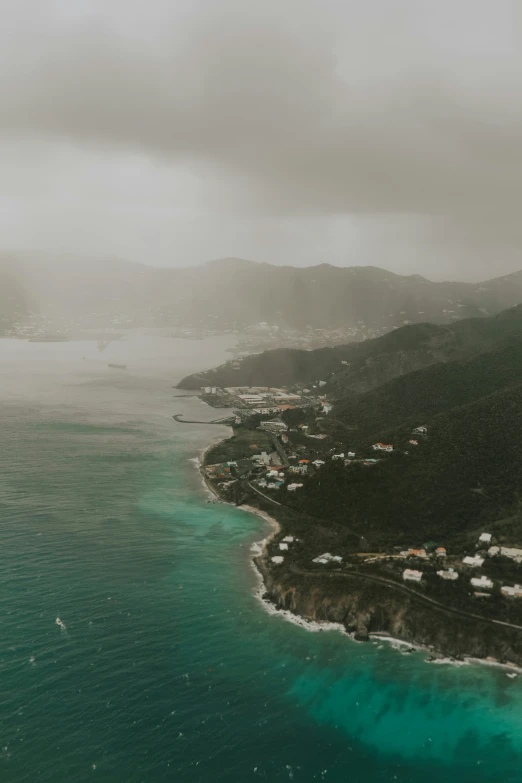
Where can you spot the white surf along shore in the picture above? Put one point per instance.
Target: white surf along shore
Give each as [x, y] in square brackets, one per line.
[258, 549]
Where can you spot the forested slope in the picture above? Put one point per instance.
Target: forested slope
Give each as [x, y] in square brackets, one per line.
[466, 474]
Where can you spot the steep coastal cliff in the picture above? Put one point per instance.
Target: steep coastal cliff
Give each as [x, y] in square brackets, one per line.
[366, 608]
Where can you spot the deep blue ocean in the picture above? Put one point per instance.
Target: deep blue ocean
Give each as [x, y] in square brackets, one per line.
[169, 668]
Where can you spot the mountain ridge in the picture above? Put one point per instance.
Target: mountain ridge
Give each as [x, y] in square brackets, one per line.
[234, 293]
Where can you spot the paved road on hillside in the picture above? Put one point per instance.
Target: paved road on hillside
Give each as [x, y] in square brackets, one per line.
[409, 591]
[395, 585]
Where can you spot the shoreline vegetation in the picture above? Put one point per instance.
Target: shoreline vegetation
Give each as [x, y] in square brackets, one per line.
[259, 554]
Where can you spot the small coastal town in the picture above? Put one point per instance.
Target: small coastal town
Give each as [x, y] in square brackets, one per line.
[282, 442]
[249, 338]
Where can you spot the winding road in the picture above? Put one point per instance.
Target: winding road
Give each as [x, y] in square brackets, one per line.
[390, 583]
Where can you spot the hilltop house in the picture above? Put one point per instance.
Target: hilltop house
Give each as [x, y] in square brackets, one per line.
[440, 551]
[409, 575]
[416, 553]
[277, 559]
[421, 430]
[485, 537]
[293, 487]
[450, 574]
[327, 558]
[506, 551]
[382, 447]
[511, 592]
[414, 442]
[473, 562]
[283, 546]
[302, 469]
[483, 583]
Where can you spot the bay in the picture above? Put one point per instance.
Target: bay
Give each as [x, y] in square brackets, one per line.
[169, 667]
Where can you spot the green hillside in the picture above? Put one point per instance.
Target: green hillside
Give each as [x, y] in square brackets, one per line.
[466, 475]
[411, 399]
[358, 367]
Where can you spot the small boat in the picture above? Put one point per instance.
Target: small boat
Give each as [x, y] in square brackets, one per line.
[118, 366]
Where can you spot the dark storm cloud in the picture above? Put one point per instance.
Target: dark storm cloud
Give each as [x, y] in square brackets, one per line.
[287, 109]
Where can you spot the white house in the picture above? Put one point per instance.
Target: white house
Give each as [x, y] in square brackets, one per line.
[474, 562]
[382, 447]
[277, 559]
[277, 426]
[450, 574]
[337, 456]
[409, 575]
[420, 430]
[293, 487]
[289, 539]
[327, 558]
[282, 547]
[514, 554]
[350, 454]
[511, 592]
[486, 537]
[318, 462]
[483, 583]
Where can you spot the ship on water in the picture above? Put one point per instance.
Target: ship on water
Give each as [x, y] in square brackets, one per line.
[118, 366]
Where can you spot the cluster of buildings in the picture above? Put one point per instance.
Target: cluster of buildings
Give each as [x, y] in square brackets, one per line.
[284, 546]
[259, 400]
[482, 585]
[413, 441]
[263, 336]
[327, 558]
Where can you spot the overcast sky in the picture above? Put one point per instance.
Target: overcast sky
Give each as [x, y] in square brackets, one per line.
[384, 132]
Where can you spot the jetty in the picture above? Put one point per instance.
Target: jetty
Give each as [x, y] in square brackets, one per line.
[227, 421]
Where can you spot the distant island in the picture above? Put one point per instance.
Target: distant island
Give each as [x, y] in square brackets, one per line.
[398, 502]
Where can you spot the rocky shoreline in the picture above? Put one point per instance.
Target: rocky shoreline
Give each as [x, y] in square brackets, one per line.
[372, 611]
[369, 611]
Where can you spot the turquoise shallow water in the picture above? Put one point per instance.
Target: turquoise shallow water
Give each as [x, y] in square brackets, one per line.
[169, 668]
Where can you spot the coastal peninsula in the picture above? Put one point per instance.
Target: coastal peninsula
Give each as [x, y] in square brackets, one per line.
[411, 530]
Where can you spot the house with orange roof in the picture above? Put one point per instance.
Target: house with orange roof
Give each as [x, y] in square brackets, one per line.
[382, 447]
[416, 553]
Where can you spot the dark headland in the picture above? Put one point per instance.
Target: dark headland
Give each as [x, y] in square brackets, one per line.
[398, 502]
